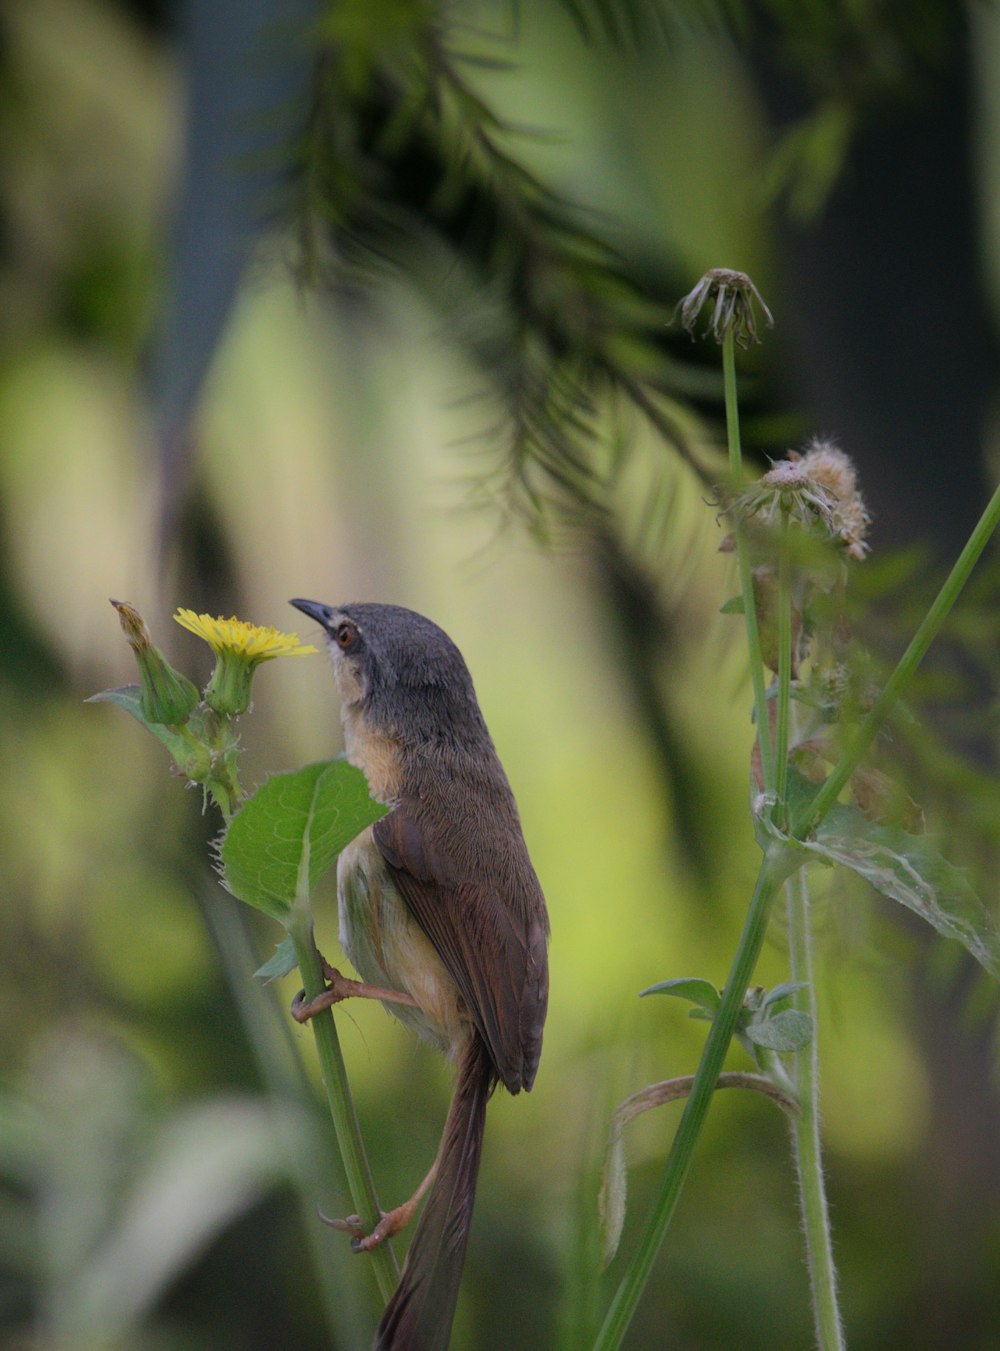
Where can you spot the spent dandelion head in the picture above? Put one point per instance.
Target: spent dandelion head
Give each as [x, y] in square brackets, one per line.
[239, 649]
[735, 298]
[786, 491]
[816, 490]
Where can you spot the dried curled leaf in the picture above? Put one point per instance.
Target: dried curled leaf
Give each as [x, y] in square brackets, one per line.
[614, 1182]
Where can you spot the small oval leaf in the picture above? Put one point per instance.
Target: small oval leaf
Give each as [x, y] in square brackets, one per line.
[698, 991]
[281, 964]
[790, 1030]
[783, 991]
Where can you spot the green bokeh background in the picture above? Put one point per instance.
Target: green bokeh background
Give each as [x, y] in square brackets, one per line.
[160, 1155]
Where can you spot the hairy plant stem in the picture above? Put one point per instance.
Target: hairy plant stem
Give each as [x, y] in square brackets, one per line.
[773, 870]
[767, 759]
[224, 784]
[360, 1182]
[806, 1144]
[806, 1130]
[782, 718]
[929, 628]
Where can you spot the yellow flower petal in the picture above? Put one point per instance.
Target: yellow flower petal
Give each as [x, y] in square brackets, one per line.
[254, 641]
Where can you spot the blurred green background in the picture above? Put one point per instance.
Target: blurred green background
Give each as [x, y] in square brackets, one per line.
[181, 424]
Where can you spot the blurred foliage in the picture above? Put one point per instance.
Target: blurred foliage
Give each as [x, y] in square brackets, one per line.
[496, 209]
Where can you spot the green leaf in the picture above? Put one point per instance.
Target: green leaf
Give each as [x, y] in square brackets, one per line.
[789, 1030]
[283, 839]
[129, 697]
[283, 961]
[733, 606]
[698, 991]
[781, 992]
[909, 869]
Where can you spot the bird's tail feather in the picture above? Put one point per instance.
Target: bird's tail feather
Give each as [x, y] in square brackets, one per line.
[419, 1315]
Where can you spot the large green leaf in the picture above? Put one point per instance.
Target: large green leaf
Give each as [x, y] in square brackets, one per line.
[283, 839]
[910, 870]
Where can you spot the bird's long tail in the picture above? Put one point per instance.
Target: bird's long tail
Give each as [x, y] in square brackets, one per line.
[418, 1317]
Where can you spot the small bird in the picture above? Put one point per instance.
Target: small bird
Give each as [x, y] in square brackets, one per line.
[442, 915]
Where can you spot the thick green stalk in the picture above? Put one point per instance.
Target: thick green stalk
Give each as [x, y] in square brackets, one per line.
[806, 1131]
[745, 568]
[338, 1092]
[902, 675]
[773, 870]
[345, 1293]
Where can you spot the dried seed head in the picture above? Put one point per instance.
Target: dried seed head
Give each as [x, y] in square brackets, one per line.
[826, 464]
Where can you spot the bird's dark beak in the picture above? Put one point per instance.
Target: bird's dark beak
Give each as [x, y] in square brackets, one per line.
[315, 610]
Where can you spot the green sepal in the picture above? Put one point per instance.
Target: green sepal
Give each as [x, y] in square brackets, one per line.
[167, 695]
[229, 690]
[284, 838]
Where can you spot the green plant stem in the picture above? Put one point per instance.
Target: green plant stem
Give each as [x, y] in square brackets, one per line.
[343, 1287]
[782, 718]
[806, 1130]
[360, 1182]
[905, 669]
[773, 870]
[224, 784]
[745, 570]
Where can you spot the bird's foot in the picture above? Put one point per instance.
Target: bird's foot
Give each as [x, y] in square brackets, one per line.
[341, 987]
[392, 1222]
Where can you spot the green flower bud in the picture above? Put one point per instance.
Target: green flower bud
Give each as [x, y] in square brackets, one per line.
[167, 696]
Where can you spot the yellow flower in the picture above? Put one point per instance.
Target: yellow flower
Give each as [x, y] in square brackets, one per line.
[256, 642]
[239, 649]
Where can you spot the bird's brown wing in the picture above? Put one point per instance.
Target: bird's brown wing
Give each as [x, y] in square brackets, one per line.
[480, 904]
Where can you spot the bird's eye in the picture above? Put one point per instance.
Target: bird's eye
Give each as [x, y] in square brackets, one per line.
[345, 636]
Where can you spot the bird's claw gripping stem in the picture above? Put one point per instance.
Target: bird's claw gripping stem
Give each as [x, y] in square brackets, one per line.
[341, 987]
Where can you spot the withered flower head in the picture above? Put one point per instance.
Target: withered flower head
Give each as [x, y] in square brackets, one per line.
[735, 296]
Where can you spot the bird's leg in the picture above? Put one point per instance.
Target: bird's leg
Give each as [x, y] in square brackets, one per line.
[392, 1221]
[342, 987]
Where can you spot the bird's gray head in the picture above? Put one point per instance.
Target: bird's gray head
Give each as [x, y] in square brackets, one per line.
[402, 673]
